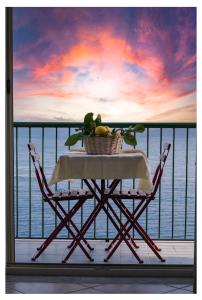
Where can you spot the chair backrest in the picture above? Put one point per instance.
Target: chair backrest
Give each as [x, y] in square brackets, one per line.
[159, 170]
[43, 185]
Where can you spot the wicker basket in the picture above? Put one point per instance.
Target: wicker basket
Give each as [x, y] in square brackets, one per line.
[102, 145]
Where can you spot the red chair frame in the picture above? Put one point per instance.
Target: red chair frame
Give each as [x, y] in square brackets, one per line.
[132, 218]
[65, 220]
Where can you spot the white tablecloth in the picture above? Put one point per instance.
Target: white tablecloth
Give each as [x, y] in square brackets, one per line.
[79, 165]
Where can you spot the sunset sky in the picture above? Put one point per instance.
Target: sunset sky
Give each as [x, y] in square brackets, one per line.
[129, 64]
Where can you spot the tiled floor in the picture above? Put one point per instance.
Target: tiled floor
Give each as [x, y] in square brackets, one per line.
[174, 252]
[97, 285]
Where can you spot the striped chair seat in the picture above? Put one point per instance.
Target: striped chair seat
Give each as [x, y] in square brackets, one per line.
[125, 193]
[71, 195]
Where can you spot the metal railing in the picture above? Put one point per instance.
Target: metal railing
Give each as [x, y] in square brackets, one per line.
[171, 216]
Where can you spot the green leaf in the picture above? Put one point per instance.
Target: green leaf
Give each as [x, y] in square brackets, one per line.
[130, 139]
[98, 120]
[73, 139]
[89, 128]
[139, 128]
[88, 118]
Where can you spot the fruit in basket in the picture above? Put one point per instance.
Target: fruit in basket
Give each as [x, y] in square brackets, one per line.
[102, 130]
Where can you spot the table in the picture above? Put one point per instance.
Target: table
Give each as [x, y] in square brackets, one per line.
[79, 165]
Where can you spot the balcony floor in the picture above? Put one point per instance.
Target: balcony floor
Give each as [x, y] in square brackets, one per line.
[175, 252]
[18, 284]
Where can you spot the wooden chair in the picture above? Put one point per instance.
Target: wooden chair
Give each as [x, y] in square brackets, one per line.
[144, 200]
[54, 200]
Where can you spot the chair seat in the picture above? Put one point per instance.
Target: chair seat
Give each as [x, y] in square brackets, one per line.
[71, 195]
[125, 193]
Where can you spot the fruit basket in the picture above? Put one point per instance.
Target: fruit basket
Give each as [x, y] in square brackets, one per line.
[98, 145]
[100, 139]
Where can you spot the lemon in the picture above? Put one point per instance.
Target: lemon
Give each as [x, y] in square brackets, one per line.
[101, 130]
[107, 127]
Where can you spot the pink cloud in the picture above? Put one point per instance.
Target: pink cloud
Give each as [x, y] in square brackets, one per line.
[141, 68]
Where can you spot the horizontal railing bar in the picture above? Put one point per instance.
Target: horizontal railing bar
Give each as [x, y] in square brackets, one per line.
[112, 124]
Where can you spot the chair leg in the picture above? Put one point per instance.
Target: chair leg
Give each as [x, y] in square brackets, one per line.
[132, 240]
[83, 230]
[59, 228]
[133, 224]
[67, 227]
[116, 238]
[131, 215]
[127, 234]
[123, 236]
[77, 230]
[81, 233]
[150, 244]
[147, 236]
[71, 244]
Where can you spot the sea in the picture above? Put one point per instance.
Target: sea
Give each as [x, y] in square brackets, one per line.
[171, 216]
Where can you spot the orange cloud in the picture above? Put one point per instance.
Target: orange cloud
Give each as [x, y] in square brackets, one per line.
[107, 50]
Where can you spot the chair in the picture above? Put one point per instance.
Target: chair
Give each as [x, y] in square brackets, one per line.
[54, 200]
[145, 199]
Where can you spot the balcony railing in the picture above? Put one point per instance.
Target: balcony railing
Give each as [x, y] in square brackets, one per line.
[171, 216]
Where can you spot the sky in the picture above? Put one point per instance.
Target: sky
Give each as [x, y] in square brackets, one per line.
[128, 64]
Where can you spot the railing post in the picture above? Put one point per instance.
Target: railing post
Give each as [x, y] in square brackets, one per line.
[56, 155]
[16, 180]
[42, 201]
[187, 160]
[147, 156]
[30, 191]
[173, 182]
[159, 225]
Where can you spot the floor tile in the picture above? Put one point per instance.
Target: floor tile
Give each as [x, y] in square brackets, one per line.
[12, 291]
[46, 288]
[10, 288]
[137, 288]
[85, 281]
[179, 291]
[180, 285]
[188, 288]
[88, 291]
[179, 280]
